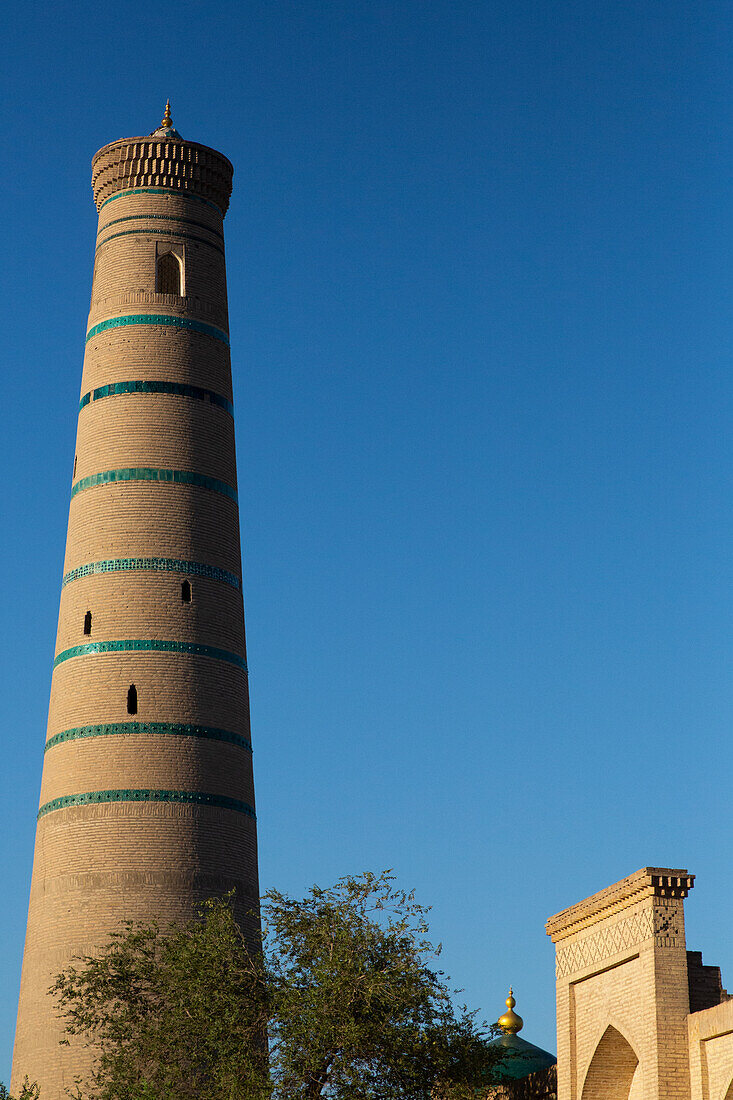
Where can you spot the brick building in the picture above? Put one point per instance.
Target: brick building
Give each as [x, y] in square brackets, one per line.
[147, 800]
[638, 1015]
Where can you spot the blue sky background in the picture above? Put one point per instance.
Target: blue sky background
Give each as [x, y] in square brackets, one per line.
[480, 288]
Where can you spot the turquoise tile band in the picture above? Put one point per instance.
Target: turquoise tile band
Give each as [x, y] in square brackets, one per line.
[195, 798]
[159, 233]
[158, 565]
[163, 218]
[150, 645]
[158, 319]
[179, 477]
[176, 729]
[176, 389]
[160, 191]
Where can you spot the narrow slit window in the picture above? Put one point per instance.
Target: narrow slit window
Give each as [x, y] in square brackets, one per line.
[74, 473]
[168, 274]
[132, 699]
[186, 591]
[88, 623]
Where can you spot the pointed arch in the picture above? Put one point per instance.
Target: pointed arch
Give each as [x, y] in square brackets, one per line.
[168, 274]
[611, 1072]
[729, 1093]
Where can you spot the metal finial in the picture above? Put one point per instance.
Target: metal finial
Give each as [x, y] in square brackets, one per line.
[167, 123]
[511, 1021]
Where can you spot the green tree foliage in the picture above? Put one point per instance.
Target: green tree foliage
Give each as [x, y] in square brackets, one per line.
[342, 1003]
[357, 1011]
[174, 1014]
[28, 1092]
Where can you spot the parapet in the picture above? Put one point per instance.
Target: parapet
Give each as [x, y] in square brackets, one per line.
[166, 162]
[660, 882]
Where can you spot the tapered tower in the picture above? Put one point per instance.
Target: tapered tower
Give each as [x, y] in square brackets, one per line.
[147, 800]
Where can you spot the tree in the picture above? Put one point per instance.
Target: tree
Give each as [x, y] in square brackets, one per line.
[28, 1091]
[344, 989]
[174, 1014]
[357, 1012]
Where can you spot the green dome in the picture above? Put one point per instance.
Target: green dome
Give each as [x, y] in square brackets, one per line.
[521, 1058]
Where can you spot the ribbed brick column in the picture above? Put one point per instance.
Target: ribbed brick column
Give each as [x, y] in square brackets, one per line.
[142, 815]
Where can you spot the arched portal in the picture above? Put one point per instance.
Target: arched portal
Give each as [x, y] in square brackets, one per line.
[611, 1072]
[729, 1093]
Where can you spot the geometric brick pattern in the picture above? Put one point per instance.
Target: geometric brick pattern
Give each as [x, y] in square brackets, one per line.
[172, 164]
[605, 943]
[661, 923]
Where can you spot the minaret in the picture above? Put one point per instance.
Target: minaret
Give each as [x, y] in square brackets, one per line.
[147, 799]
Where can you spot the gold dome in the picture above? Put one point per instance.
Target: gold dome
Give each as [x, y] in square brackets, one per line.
[511, 1021]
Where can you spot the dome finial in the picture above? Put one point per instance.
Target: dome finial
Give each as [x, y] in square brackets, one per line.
[511, 1021]
[167, 123]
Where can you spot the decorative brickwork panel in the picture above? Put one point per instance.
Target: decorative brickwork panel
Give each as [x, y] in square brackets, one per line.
[603, 944]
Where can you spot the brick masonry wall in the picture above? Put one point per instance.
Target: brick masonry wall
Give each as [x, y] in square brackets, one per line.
[710, 1034]
[144, 815]
[622, 998]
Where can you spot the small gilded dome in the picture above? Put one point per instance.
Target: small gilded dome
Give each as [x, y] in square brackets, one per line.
[519, 1058]
[511, 1022]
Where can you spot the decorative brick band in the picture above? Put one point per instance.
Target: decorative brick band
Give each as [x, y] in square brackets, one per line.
[161, 218]
[158, 319]
[158, 565]
[160, 191]
[180, 477]
[196, 798]
[177, 729]
[160, 233]
[177, 389]
[150, 645]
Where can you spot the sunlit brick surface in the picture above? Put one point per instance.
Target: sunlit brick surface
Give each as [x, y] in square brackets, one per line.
[135, 857]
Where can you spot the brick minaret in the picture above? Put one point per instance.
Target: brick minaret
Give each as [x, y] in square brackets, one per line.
[147, 801]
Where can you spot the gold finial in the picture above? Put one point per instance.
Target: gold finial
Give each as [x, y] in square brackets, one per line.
[167, 123]
[511, 1021]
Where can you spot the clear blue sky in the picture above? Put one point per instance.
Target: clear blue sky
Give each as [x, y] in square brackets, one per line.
[480, 264]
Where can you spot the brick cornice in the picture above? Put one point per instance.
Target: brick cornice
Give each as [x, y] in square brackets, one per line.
[649, 882]
[171, 164]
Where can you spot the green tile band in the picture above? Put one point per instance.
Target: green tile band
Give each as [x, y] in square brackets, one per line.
[150, 645]
[196, 798]
[177, 389]
[177, 729]
[158, 319]
[158, 565]
[160, 191]
[160, 233]
[163, 218]
[180, 477]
